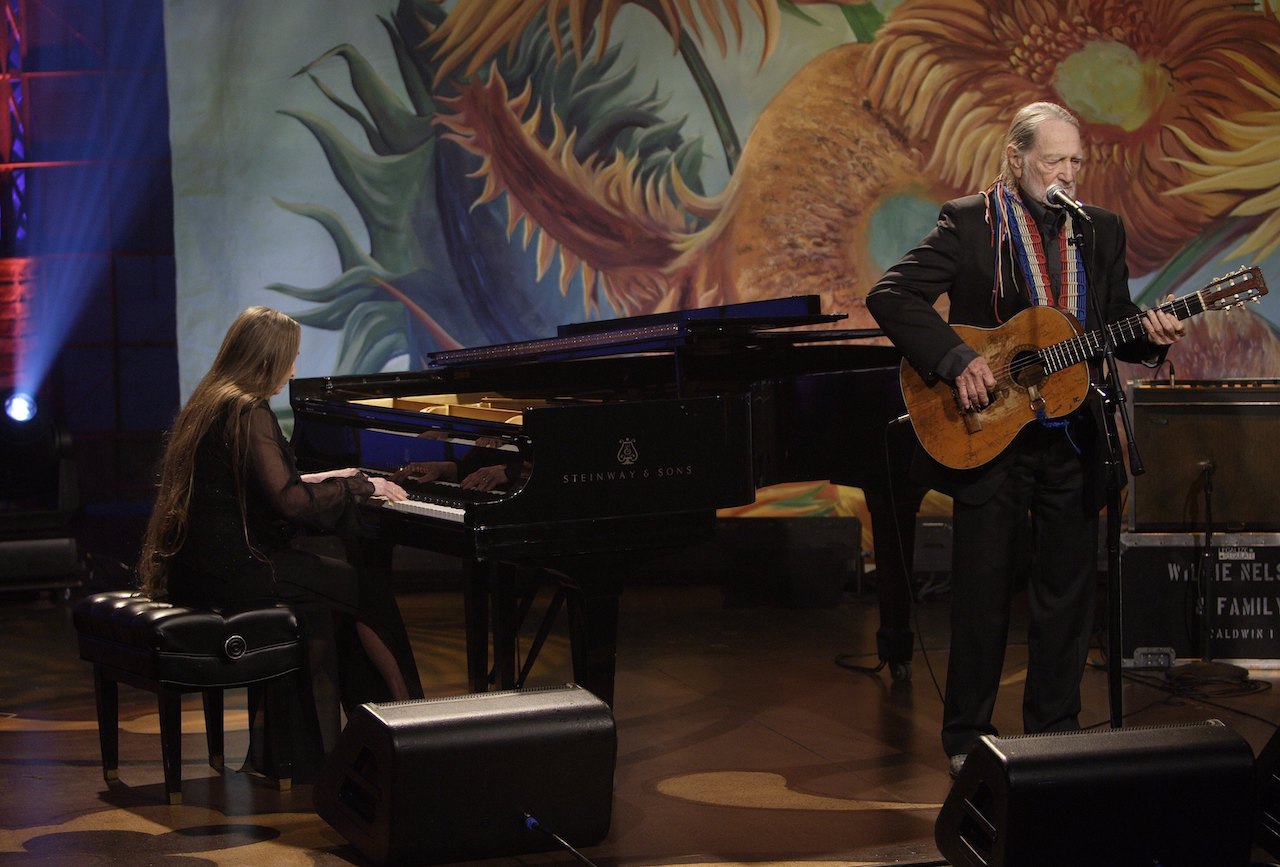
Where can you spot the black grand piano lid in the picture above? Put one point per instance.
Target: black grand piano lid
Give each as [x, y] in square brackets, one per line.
[765, 313]
[651, 332]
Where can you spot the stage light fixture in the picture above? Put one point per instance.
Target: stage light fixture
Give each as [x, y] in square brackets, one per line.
[38, 495]
[20, 407]
[33, 455]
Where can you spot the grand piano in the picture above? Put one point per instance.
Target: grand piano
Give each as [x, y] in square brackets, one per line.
[611, 439]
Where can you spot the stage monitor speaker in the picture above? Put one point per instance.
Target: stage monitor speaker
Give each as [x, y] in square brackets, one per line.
[444, 780]
[1177, 796]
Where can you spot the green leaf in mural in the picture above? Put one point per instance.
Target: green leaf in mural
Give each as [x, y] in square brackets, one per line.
[350, 253]
[372, 336]
[381, 188]
[393, 189]
[390, 127]
[864, 20]
[337, 299]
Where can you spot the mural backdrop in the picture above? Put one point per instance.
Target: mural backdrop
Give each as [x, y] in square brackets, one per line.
[408, 176]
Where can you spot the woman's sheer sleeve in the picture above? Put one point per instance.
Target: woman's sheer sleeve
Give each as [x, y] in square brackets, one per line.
[271, 468]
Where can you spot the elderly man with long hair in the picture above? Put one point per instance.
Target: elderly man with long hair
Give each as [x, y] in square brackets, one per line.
[995, 254]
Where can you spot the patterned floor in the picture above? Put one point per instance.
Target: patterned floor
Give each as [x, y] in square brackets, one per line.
[739, 740]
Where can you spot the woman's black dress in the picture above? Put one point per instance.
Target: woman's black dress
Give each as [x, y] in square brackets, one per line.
[226, 561]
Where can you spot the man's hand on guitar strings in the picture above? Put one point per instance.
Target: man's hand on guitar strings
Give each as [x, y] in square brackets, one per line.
[1163, 329]
[975, 386]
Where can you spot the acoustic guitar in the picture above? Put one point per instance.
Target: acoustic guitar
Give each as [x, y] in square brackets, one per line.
[1039, 358]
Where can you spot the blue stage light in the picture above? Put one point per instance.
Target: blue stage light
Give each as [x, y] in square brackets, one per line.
[37, 478]
[20, 407]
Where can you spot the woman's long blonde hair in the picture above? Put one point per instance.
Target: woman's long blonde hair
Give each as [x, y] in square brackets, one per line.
[253, 363]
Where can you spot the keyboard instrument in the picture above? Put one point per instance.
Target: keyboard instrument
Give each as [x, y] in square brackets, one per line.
[612, 437]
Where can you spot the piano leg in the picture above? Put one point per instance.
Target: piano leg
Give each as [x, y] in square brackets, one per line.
[491, 594]
[593, 633]
[497, 598]
[480, 581]
[544, 629]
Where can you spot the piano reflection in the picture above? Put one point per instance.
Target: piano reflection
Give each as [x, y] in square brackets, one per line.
[608, 439]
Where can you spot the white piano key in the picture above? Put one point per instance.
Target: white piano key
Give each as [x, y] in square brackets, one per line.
[430, 510]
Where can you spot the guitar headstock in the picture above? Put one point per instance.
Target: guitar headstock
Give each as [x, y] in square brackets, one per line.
[1230, 290]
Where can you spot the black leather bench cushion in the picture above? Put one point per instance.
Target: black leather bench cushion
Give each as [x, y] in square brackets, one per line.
[194, 647]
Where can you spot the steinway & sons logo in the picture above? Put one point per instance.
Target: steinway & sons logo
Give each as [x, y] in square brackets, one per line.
[629, 468]
[627, 453]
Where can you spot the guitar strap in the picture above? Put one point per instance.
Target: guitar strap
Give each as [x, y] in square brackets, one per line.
[1013, 228]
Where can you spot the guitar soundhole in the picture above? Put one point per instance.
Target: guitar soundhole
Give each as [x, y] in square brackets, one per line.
[1026, 369]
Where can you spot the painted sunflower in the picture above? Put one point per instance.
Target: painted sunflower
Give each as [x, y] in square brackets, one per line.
[601, 219]
[475, 32]
[1249, 166]
[826, 224]
[608, 223]
[1147, 78]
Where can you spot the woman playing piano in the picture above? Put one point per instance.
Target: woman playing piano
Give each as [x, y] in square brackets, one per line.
[230, 500]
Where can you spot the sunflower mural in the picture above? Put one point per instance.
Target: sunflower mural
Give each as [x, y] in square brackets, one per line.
[524, 184]
[1175, 99]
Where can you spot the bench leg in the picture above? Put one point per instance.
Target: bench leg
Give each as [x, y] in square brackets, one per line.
[170, 703]
[213, 727]
[278, 695]
[106, 694]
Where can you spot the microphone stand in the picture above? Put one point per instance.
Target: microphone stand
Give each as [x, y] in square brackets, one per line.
[1206, 668]
[1206, 565]
[1113, 402]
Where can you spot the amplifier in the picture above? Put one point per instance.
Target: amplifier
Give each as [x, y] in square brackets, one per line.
[1160, 591]
[1206, 447]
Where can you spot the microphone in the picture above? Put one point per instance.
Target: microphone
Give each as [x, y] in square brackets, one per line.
[1056, 195]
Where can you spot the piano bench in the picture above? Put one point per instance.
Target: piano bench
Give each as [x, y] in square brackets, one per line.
[172, 650]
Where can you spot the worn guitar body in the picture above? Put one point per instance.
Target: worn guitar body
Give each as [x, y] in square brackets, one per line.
[956, 438]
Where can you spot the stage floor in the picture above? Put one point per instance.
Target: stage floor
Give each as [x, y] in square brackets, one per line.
[740, 739]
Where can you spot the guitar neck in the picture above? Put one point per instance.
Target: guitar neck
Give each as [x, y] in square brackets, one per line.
[1130, 328]
[1062, 355]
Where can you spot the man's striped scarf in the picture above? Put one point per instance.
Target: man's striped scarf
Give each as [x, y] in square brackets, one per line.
[1011, 221]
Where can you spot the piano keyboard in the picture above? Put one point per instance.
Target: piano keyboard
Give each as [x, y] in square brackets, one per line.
[447, 493]
[445, 501]
[439, 511]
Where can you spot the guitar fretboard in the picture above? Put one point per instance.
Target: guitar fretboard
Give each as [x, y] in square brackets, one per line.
[1092, 344]
[1244, 284]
